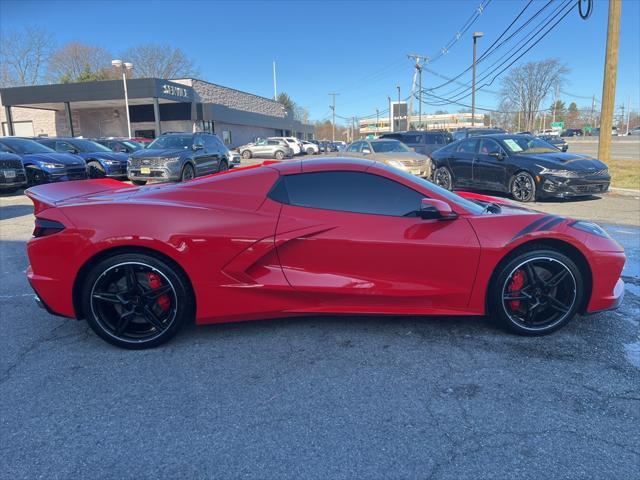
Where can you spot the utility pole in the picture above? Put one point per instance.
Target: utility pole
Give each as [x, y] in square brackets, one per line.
[333, 123]
[610, 76]
[555, 103]
[476, 36]
[397, 119]
[390, 122]
[621, 122]
[377, 119]
[417, 59]
[593, 111]
[628, 113]
[275, 83]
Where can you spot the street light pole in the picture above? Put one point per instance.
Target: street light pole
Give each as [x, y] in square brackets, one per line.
[398, 109]
[124, 66]
[390, 121]
[476, 36]
[377, 119]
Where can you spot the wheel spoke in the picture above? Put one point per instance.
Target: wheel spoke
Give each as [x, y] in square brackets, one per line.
[519, 295]
[153, 319]
[556, 279]
[123, 322]
[108, 297]
[132, 279]
[532, 274]
[557, 305]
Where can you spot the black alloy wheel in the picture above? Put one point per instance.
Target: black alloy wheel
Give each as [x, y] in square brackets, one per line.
[442, 177]
[223, 166]
[95, 170]
[136, 301]
[187, 173]
[523, 187]
[537, 292]
[35, 177]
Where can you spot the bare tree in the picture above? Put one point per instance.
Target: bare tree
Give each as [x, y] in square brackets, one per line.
[160, 61]
[79, 62]
[528, 85]
[23, 56]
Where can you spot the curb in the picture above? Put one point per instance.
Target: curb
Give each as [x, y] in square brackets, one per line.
[625, 191]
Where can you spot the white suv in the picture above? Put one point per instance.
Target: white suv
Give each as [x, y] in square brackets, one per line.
[310, 148]
[294, 143]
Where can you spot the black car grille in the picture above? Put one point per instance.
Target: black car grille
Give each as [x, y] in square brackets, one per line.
[17, 164]
[592, 188]
[147, 162]
[600, 173]
[19, 178]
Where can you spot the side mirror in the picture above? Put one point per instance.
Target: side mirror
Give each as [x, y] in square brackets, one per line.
[366, 151]
[497, 155]
[432, 209]
[197, 146]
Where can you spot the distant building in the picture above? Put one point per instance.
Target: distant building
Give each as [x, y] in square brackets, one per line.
[96, 109]
[449, 121]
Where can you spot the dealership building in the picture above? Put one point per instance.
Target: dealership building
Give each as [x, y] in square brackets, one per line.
[97, 109]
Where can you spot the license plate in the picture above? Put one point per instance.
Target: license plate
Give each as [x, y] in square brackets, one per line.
[145, 171]
[10, 174]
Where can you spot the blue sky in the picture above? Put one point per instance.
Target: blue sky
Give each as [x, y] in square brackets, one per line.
[355, 48]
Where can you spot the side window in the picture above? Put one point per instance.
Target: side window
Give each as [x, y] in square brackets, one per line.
[354, 147]
[355, 192]
[210, 144]
[467, 146]
[438, 139]
[489, 146]
[411, 139]
[273, 142]
[61, 146]
[198, 140]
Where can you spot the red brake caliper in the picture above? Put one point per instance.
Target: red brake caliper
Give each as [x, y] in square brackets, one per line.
[516, 284]
[163, 301]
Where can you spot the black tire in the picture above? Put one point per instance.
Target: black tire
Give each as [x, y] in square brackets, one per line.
[34, 177]
[188, 173]
[535, 291]
[95, 170]
[132, 318]
[223, 166]
[310, 151]
[279, 155]
[139, 183]
[523, 187]
[246, 154]
[442, 176]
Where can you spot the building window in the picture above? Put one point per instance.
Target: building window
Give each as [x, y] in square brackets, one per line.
[226, 137]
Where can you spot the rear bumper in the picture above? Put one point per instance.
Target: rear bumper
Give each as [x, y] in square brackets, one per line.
[34, 282]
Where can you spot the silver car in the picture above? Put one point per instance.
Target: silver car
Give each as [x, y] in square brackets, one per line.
[266, 148]
[391, 152]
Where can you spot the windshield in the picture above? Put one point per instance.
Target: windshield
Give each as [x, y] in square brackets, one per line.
[468, 205]
[24, 146]
[526, 144]
[87, 146]
[172, 142]
[132, 145]
[384, 146]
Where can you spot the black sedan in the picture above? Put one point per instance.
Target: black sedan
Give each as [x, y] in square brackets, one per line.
[525, 166]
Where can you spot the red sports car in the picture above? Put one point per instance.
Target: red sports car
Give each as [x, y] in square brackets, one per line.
[306, 237]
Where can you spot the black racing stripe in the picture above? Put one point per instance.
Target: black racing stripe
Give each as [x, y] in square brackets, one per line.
[551, 224]
[533, 226]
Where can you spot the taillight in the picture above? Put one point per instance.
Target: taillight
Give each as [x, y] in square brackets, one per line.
[46, 227]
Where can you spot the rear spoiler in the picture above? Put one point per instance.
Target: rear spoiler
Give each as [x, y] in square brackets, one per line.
[52, 194]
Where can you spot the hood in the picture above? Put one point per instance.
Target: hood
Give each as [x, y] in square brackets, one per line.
[568, 161]
[68, 159]
[398, 156]
[158, 152]
[117, 156]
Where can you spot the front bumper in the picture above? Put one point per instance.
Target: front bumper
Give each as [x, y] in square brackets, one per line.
[157, 174]
[561, 187]
[18, 179]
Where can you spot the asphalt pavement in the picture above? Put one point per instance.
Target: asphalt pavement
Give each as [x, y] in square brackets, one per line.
[320, 397]
[622, 147]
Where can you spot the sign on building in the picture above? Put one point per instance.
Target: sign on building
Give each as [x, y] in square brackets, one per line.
[399, 115]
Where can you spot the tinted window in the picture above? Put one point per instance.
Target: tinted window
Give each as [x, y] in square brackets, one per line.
[24, 146]
[354, 147]
[435, 139]
[210, 143]
[410, 138]
[171, 142]
[467, 146]
[459, 135]
[352, 192]
[385, 146]
[488, 146]
[273, 142]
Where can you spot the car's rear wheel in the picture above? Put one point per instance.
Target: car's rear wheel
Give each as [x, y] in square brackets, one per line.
[523, 187]
[136, 301]
[35, 177]
[536, 292]
[309, 151]
[139, 182]
[442, 176]
[279, 155]
[246, 154]
[223, 167]
[188, 173]
[95, 170]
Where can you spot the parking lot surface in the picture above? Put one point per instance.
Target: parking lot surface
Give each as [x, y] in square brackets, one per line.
[321, 397]
[622, 148]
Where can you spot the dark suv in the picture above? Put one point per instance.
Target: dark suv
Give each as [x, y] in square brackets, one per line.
[462, 133]
[422, 142]
[178, 157]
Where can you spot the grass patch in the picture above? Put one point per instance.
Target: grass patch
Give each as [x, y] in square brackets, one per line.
[625, 173]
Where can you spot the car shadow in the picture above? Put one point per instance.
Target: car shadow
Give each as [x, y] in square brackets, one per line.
[12, 211]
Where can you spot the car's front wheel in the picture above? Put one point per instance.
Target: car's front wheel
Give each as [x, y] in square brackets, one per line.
[95, 170]
[188, 173]
[536, 292]
[523, 187]
[223, 167]
[246, 154]
[136, 301]
[279, 155]
[442, 176]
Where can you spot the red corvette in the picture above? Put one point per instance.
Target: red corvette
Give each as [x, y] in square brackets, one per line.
[324, 236]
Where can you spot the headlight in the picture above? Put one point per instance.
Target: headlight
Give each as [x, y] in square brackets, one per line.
[111, 162]
[590, 227]
[397, 164]
[52, 165]
[560, 173]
